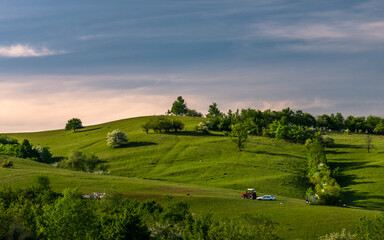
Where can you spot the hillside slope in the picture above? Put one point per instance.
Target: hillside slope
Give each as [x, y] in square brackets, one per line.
[269, 165]
[295, 219]
[213, 160]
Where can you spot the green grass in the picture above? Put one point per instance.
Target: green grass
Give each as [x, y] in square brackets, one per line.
[295, 219]
[214, 172]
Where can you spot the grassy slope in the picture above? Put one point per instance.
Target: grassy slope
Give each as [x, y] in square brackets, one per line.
[212, 162]
[187, 157]
[362, 172]
[296, 219]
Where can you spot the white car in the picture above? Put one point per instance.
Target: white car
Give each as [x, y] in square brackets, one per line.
[267, 198]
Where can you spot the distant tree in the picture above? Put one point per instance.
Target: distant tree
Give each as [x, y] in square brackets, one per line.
[368, 143]
[213, 111]
[179, 107]
[193, 113]
[239, 135]
[177, 125]
[146, 126]
[116, 138]
[74, 124]
[379, 129]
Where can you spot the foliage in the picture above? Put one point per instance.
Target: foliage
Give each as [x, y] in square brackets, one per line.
[203, 128]
[370, 228]
[179, 107]
[379, 128]
[7, 140]
[193, 113]
[239, 135]
[25, 150]
[74, 124]
[116, 138]
[343, 235]
[213, 111]
[80, 162]
[162, 124]
[71, 217]
[326, 188]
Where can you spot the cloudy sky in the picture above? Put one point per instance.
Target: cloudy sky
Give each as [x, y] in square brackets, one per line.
[106, 60]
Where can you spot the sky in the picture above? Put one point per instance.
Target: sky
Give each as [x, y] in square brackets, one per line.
[107, 60]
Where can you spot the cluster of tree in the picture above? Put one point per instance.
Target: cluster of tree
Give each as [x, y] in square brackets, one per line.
[179, 108]
[162, 124]
[37, 212]
[325, 187]
[258, 121]
[116, 138]
[12, 147]
[79, 161]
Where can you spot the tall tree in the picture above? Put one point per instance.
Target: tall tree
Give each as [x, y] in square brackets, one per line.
[179, 107]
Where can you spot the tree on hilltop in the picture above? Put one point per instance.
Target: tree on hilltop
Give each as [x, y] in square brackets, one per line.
[74, 124]
[179, 107]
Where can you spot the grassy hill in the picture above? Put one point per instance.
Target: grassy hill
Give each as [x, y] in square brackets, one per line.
[295, 219]
[211, 170]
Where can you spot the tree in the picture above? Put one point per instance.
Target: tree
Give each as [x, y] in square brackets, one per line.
[380, 127]
[179, 107]
[74, 124]
[239, 135]
[70, 218]
[214, 111]
[116, 138]
[368, 142]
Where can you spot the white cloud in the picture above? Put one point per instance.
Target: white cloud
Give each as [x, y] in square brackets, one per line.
[339, 36]
[19, 50]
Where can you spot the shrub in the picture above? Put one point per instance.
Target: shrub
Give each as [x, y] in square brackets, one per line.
[116, 138]
[80, 162]
[203, 128]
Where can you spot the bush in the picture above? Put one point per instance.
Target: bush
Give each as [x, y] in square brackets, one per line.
[203, 128]
[116, 138]
[80, 162]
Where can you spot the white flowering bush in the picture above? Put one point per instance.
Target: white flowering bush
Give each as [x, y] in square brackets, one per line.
[116, 138]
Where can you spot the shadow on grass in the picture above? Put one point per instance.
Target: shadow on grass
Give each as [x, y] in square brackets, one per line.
[346, 166]
[87, 130]
[334, 152]
[363, 199]
[335, 145]
[137, 144]
[193, 134]
[275, 154]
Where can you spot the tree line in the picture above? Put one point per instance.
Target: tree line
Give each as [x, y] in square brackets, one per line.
[11, 146]
[258, 120]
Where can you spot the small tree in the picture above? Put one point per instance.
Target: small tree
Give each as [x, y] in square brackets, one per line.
[214, 111]
[368, 143]
[179, 107]
[116, 138]
[74, 124]
[239, 135]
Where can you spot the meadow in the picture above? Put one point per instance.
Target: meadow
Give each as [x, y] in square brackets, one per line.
[208, 172]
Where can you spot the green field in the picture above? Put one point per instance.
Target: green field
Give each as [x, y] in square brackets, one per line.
[209, 172]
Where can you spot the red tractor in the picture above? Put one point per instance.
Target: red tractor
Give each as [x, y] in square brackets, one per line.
[250, 194]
